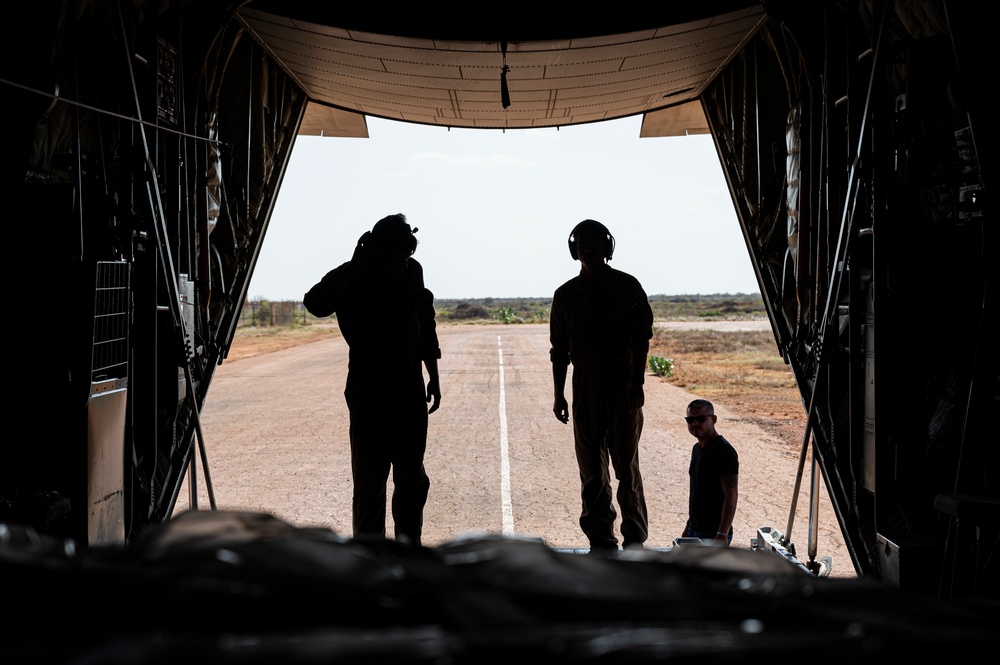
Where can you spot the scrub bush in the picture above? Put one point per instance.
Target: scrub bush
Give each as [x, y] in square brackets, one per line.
[661, 366]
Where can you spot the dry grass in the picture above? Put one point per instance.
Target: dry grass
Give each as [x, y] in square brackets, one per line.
[742, 370]
[252, 341]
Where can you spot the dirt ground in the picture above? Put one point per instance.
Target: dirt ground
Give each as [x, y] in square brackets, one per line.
[747, 375]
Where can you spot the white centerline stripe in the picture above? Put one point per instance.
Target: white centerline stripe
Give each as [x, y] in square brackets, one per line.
[506, 509]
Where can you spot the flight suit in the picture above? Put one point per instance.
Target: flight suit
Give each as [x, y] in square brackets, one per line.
[388, 322]
[602, 326]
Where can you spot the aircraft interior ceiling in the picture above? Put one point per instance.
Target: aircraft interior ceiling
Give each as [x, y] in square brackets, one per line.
[544, 82]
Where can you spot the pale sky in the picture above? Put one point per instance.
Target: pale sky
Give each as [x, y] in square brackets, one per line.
[494, 209]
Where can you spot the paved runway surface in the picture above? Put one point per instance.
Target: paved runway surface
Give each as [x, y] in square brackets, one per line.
[499, 461]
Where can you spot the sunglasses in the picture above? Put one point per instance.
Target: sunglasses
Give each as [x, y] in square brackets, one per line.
[695, 419]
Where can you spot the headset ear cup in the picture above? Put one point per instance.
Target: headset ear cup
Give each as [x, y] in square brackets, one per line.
[609, 240]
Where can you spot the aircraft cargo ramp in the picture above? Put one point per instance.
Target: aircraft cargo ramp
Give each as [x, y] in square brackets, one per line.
[232, 587]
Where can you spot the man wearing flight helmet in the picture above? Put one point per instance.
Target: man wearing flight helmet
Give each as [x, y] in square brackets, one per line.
[382, 308]
[601, 322]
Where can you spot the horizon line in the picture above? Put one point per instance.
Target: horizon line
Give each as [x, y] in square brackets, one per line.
[548, 297]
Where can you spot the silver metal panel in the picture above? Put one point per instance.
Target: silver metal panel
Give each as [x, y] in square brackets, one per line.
[106, 462]
[905, 560]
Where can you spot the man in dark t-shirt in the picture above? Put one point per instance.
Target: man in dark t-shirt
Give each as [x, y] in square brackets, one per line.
[714, 472]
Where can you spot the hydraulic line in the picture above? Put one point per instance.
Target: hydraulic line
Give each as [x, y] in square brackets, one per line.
[156, 208]
[839, 267]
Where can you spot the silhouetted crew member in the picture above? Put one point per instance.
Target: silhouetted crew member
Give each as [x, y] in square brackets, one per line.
[601, 322]
[714, 471]
[387, 318]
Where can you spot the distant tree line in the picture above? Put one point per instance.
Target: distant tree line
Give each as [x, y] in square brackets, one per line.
[263, 313]
[665, 308]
